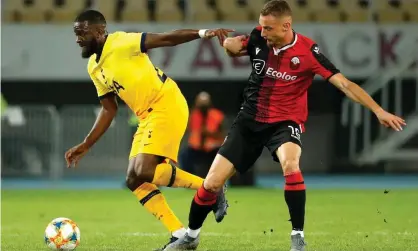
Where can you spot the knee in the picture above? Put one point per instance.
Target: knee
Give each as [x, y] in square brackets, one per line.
[213, 185]
[290, 166]
[132, 182]
[139, 173]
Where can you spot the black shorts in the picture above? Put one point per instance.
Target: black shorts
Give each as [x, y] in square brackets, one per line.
[247, 138]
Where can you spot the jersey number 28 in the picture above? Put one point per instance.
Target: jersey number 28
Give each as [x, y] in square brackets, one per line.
[115, 86]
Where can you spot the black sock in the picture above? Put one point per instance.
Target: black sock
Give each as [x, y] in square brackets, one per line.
[295, 201]
[198, 214]
[295, 196]
[201, 206]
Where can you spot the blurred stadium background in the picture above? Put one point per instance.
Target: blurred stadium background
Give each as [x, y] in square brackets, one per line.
[52, 104]
[49, 104]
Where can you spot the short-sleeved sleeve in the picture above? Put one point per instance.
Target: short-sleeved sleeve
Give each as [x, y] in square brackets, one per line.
[101, 87]
[321, 65]
[135, 40]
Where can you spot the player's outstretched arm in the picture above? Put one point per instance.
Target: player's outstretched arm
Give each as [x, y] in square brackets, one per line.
[173, 38]
[359, 95]
[103, 121]
[234, 46]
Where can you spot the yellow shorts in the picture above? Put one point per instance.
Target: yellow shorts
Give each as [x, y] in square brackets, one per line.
[161, 131]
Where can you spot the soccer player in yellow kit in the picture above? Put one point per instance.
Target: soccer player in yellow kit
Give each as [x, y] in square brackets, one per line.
[118, 65]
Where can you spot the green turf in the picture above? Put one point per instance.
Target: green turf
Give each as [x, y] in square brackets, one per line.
[337, 220]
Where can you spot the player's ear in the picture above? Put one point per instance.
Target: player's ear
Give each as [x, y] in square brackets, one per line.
[286, 26]
[101, 30]
[286, 23]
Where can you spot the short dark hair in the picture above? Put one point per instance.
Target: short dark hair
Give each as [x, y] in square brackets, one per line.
[91, 16]
[276, 8]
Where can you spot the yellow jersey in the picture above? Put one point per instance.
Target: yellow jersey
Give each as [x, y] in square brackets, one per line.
[125, 69]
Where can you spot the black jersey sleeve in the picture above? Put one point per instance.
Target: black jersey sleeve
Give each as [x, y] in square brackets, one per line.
[252, 39]
[321, 64]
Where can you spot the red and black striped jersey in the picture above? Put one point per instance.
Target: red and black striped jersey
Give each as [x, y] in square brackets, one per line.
[280, 78]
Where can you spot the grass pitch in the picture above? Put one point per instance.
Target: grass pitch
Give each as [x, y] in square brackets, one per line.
[337, 220]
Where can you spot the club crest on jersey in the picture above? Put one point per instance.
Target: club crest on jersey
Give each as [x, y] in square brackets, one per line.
[294, 63]
[258, 65]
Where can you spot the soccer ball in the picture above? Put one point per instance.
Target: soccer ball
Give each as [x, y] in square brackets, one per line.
[62, 234]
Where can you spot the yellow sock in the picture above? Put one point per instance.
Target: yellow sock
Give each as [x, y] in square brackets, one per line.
[171, 176]
[153, 200]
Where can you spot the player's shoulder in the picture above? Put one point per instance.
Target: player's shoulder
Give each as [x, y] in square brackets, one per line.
[306, 43]
[257, 30]
[255, 34]
[121, 41]
[116, 36]
[124, 40]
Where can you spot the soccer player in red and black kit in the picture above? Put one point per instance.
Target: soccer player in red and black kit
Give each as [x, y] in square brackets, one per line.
[284, 64]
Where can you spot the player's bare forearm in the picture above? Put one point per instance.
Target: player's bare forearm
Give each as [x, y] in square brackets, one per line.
[176, 37]
[103, 121]
[359, 95]
[355, 92]
[172, 38]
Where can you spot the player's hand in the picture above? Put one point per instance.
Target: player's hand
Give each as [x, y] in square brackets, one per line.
[389, 120]
[220, 33]
[74, 155]
[234, 44]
